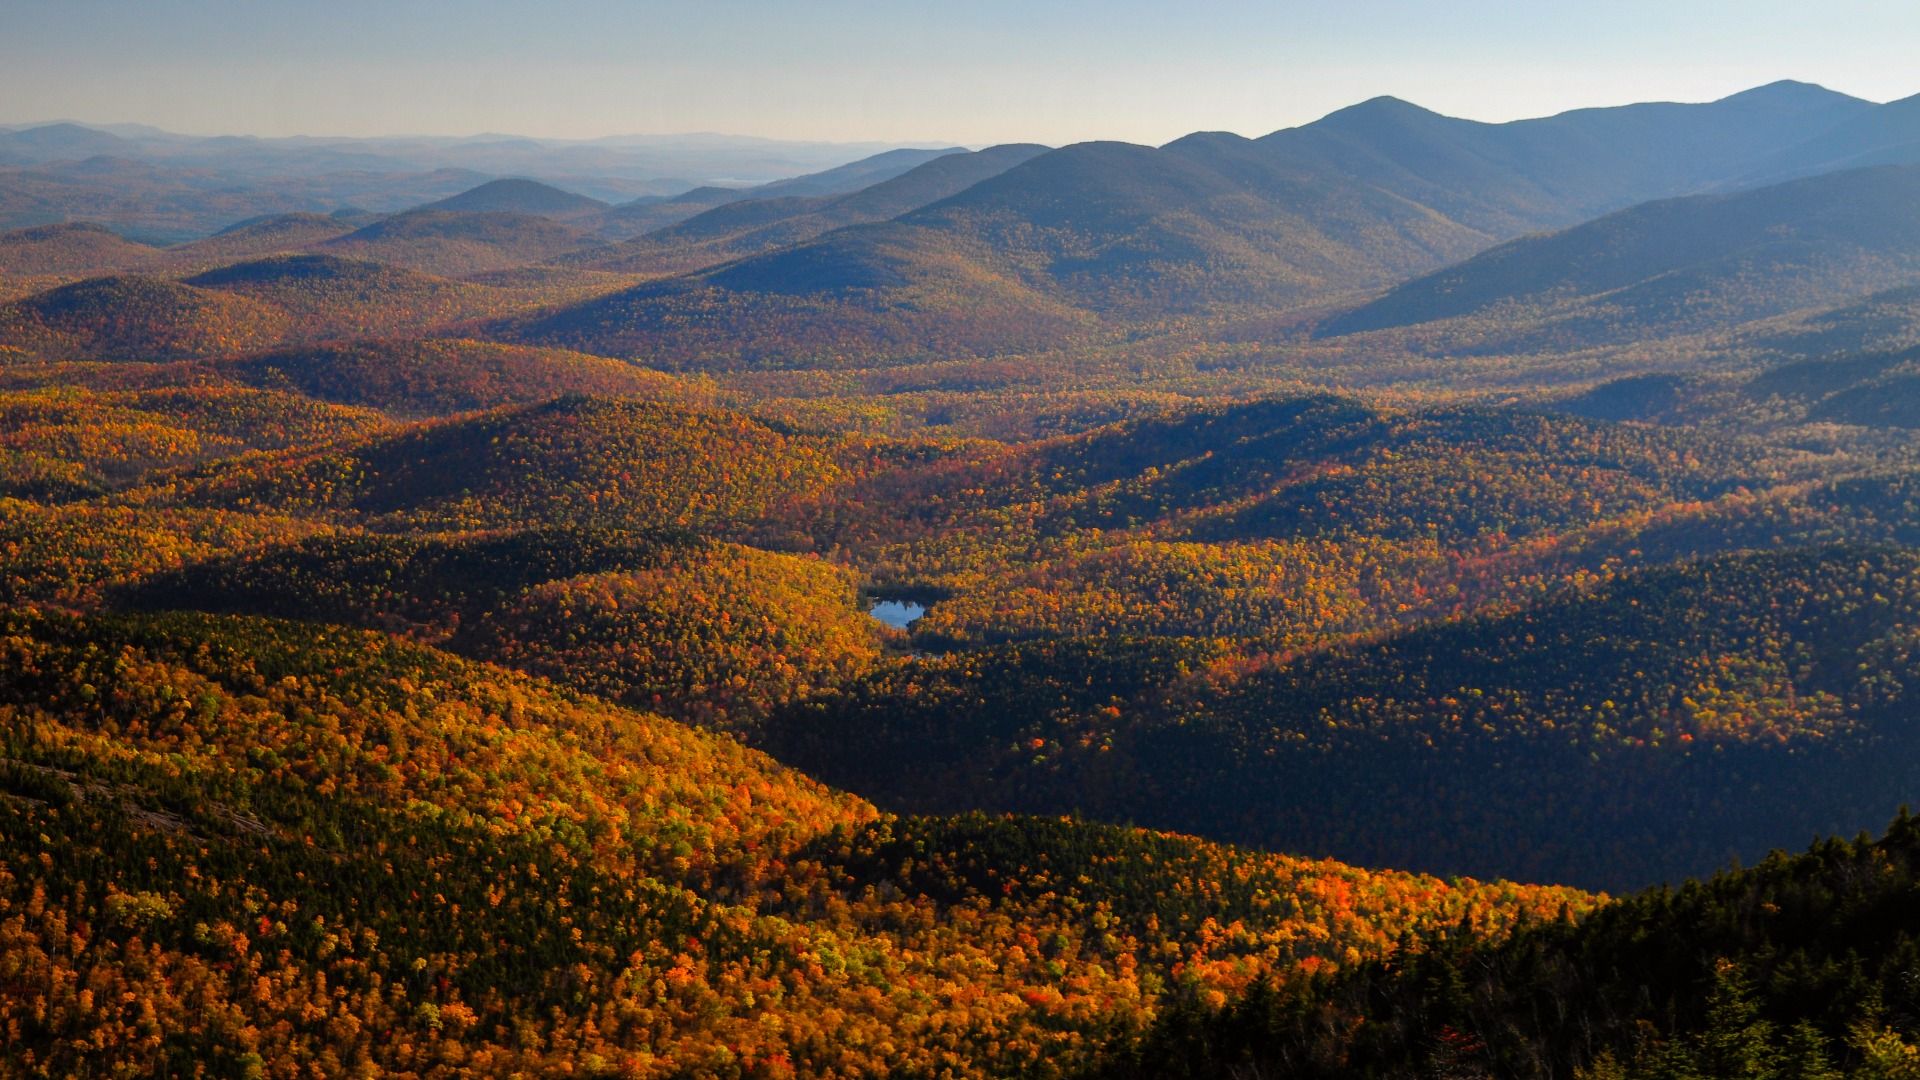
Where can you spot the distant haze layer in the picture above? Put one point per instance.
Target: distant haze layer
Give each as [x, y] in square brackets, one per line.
[840, 70]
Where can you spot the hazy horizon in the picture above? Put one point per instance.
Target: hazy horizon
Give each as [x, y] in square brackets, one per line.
[854, 71]
[875, 143]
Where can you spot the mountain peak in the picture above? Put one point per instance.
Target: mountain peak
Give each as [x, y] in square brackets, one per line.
[59, 128]
[518, 195]
[1791, 92]
[1377, 114]
[61, 141]
[1386, 106]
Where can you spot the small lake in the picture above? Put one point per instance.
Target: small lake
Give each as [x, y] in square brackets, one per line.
[898, 614]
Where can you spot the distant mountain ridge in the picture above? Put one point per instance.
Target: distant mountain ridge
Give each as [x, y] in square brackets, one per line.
[646, 214]
[748, 226]
[1209, 223]
[172, 188]
[56, 142]
[1558, 170]
[913, 253]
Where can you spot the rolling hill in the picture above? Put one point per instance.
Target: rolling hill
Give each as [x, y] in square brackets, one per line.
[439, 376]
[626, 616]
[164, 200]
[69, 555]
[65, 443]
[451, 243]
[75, 250]
[273, 234]
[330, 297]
[138, 318]
[863, 295]
[1850, 365]
[576, 460]
[1297, 469]
[263, 303]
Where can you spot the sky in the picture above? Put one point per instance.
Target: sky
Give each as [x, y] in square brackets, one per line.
[907, 71]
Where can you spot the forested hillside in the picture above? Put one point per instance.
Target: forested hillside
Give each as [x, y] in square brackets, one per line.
[1659, 726]
[1339, 603]
[573, 460]
[182, 798]
[1797, 967]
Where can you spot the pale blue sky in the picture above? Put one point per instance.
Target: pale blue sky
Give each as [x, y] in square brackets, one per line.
[973, 72]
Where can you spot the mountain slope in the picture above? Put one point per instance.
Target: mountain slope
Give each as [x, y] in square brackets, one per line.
[1881, 322]
[1206, 221]
[948, 174]
[1797, 967]
[644, 215]
[1070, 236]
[541, 882]
[854, 175]
[1672, 267]
[865, 294]
[1886, 135]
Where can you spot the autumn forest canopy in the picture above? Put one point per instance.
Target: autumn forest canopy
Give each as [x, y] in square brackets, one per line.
[1398, 597]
